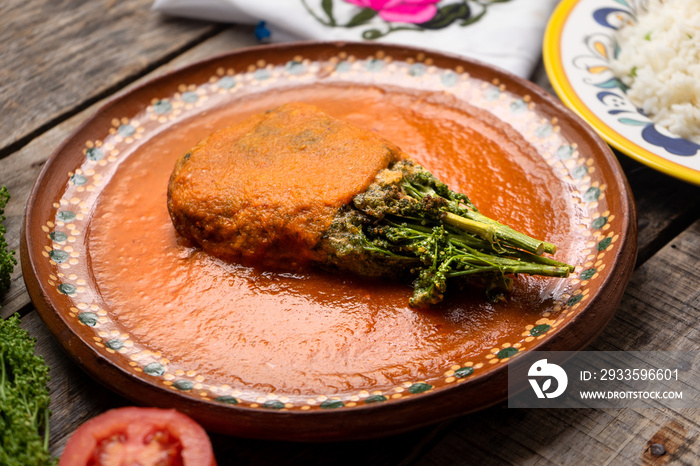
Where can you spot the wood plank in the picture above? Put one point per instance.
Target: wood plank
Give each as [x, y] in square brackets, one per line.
[19, 170]
[660, 311]
[57, 56]
[665, 205]
[391, 450]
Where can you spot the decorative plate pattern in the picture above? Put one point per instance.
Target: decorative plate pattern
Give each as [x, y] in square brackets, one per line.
[60, 258]
[578, 46]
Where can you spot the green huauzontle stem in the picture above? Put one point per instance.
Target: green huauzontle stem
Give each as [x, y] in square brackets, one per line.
[409, 223]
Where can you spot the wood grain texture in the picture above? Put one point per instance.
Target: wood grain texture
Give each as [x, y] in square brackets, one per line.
[19, 170]
[58, 55]
[660, 311]
[665, 206]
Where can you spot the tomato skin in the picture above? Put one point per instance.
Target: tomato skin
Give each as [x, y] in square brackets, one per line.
[134, 427]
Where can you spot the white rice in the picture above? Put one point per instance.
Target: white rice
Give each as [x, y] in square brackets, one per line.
[660, 60]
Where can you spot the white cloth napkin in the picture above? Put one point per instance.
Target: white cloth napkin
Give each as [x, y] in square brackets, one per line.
[504, 33]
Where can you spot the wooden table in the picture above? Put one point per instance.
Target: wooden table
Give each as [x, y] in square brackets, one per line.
[59, 60]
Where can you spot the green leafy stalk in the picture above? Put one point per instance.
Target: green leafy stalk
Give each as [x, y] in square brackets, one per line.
[410, 223]
[24, 377]
[24, 399]
[7, 256]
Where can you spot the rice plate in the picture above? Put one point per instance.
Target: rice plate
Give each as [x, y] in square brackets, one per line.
[659, 60]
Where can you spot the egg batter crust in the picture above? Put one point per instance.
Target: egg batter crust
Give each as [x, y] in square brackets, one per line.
[264, 191]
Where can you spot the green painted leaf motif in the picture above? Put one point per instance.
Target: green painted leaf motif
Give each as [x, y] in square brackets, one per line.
[262, 74]
[364, 16]
[184, 385]
[294, 67]
[579, 172]
[190, 97]
[78, 179]
[632, 122]
[58, 236]
[229, 400]
[544, 131]
[94, 154]
[603, 245]
[449, 79]
[162, 106]
[417, 70]
[565, 152]
[493, 93]
[58, 256]
[592, 194]
[587, 274]
[376, 399]
[506, 352]
[447, 15]
[374, 65]
[126, 130]
[519, 106]
[343, 67]
[115, 344]
[599, 222]
[463, 372]
[154, 368]
[574, 299]
[88, 318]
[419, 387]
[612, 84]
[65, 216]
[67, 289]
[273, 404]
[539, 330]
[332, 404]
[227, 82]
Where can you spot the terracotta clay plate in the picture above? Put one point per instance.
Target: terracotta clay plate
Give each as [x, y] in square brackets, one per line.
[308, 355]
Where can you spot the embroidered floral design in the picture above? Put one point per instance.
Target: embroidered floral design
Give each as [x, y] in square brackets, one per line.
[401, 11]
[400, 15]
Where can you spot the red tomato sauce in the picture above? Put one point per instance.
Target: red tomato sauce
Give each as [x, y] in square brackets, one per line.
[315, 333]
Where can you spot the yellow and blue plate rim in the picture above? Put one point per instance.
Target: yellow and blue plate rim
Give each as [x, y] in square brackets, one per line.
[578, 45]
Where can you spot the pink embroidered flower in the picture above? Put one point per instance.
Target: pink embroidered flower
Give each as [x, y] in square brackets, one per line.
[401, 11]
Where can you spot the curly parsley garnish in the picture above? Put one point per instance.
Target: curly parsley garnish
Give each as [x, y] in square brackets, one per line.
[24, 399]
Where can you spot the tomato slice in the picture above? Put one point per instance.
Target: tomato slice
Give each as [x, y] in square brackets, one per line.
[139, 437]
